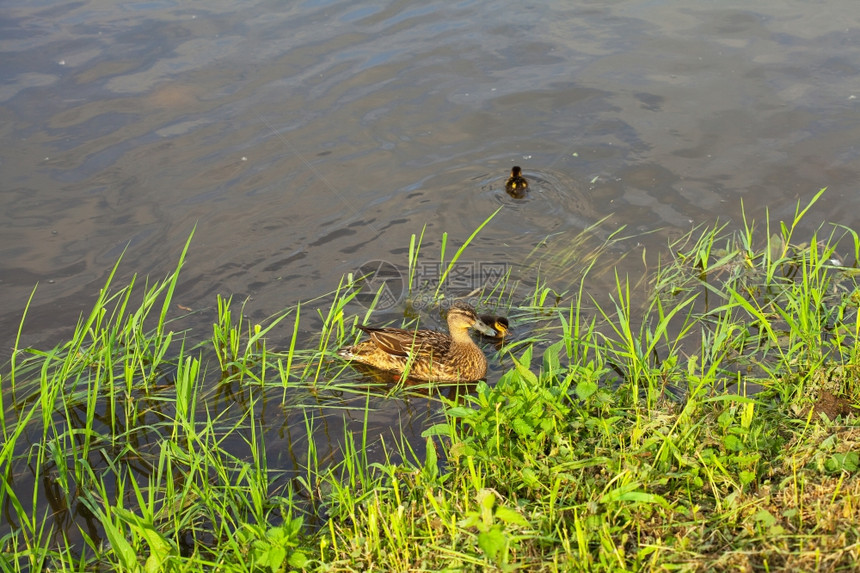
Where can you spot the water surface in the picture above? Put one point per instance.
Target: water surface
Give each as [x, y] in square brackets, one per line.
[305, 138]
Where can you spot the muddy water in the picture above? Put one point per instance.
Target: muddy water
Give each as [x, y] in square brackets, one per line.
[305, 138]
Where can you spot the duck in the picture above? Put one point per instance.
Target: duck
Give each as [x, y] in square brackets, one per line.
[499, 324]
[426, 355]
[516, 185]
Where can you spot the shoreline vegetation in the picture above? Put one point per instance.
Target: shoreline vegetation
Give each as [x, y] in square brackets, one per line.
[704, 419]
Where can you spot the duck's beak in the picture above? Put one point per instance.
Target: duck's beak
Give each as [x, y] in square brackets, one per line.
[480, 326]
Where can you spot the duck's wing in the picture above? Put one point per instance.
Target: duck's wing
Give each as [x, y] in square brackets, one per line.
[394, 341]
[399, 342]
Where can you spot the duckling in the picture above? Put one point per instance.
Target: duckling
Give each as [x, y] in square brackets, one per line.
[516, 185]
[499, 324]
[426, 355]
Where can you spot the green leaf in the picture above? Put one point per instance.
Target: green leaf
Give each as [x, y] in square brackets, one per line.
[510, 516]
[123, 549]
[157, 542]
[585, 389]
[529, 477]
[551, 362]
[849, 461]
[473, 519]
[628, 492]
[486, 499]
[644, 497]
[437, 430]
[461, 412]
[733, 443]
[492, 542]
[521, 427]
[765, 517]
[523, 368]
[526, 356]
[431, 464]
[619, 491]
[298, 559]
[270, 556]
[725, 419]
[459, 450]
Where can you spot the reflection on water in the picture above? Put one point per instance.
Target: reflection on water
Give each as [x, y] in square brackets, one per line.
[303, 139]
[306, 138]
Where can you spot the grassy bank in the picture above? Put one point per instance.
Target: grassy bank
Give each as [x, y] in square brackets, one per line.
[702, 420]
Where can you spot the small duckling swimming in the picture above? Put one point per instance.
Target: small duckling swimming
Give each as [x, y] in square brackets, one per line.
[516, 186]
[498, 323]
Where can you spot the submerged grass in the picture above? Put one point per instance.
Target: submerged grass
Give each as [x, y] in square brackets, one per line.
[711, 426]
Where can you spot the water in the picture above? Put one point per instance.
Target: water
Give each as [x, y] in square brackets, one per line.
[306, 138]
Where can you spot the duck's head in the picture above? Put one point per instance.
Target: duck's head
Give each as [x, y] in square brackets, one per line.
[462, 317]
[516, 171]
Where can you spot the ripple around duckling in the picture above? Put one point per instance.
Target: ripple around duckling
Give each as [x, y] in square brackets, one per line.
[556, 207]
[552, 203]
[555, 227]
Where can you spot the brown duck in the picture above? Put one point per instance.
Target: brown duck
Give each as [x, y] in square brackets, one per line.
[426, 355]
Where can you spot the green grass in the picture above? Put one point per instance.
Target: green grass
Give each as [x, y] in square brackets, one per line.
[620, 432]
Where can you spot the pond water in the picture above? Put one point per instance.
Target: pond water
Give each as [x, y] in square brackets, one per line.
[304, 139]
